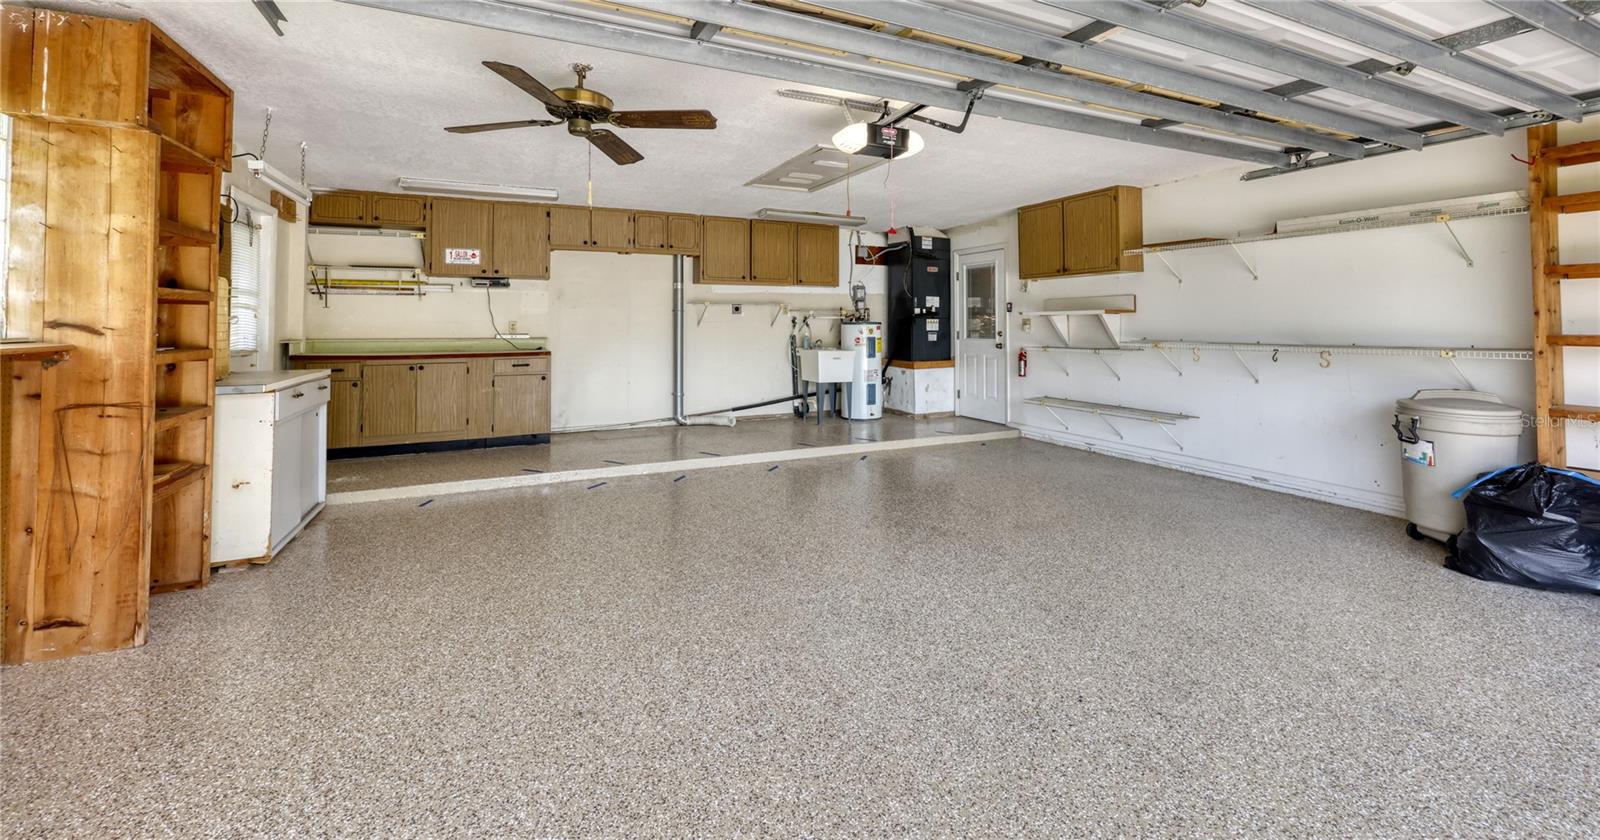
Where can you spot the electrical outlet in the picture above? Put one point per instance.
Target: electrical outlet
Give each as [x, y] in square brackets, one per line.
[738, 309]
[511, 326]
[1027, 325]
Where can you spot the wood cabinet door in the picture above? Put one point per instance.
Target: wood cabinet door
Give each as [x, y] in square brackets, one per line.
[339, 208]
[1092, 244]
[569, 227]
[443, 401]
[724, 251]
[521, 241]
[462, 226]
[650, 230]
[521, 405]
[397, 210]
[1040, 247]
[344, 413]
[611, 228]
[816, 255]
[771, 251]
[683, 233]
[388, 400]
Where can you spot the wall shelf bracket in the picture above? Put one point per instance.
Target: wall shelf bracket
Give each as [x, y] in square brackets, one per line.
[1445, 220]
[1248, 267]
[1163, 351]
[1163, 258]
[1107, 362]
[1450, 356]
[1246, 365]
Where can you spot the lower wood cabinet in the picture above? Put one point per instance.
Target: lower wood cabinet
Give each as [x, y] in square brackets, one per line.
[383, 401]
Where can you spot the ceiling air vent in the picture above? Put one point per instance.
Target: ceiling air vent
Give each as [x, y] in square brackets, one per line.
[816, 168]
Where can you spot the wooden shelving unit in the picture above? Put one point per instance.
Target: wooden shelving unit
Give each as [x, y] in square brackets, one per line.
[1552, 412]
[121, 138]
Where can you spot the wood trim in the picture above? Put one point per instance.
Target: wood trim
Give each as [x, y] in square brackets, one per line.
[936, 363]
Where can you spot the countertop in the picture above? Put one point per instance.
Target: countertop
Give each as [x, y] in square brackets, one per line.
[265, 381]
[357, 348]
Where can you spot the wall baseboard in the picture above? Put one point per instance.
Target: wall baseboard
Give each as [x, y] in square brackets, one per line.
[1383, 503]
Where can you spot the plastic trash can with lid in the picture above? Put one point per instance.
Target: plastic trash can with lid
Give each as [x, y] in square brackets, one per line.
[1449, 437]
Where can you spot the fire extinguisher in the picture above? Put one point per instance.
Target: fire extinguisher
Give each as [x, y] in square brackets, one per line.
[1022, 363]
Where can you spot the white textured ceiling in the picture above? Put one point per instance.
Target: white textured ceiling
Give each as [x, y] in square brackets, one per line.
[370, 91]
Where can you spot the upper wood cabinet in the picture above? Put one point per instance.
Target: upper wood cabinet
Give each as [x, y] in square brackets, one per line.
[78, 67]
[349, 208]
[683, 233]
[1081, 234]
[1041, 243]
[611, 229]
[724, 251]
[460, 239]
[569, 227]
[339, 208]
[405, 211]
[771, 252]
[669, 232]
[816, 255]
[521, 241]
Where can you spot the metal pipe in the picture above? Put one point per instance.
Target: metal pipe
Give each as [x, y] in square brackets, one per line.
[724, 418]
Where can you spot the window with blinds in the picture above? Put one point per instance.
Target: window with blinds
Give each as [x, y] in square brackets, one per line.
[244, 297]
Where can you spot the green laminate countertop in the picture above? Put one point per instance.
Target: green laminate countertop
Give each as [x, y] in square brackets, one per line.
[361, 347]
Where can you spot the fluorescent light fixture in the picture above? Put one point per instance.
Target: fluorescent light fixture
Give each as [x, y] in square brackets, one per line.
[278, 181]
[878, 140]
[435, 185]
[840, 219]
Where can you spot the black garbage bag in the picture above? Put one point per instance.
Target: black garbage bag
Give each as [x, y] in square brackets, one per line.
[1532, 526]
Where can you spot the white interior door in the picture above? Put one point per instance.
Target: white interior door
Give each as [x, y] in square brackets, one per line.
[980, 338]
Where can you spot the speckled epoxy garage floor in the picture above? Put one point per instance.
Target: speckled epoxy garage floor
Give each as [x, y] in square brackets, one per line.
[1010, 639]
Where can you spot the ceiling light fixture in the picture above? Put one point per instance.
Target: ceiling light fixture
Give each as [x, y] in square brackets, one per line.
[841, 219]
[435, 185]
[885, 141]
[264, 172]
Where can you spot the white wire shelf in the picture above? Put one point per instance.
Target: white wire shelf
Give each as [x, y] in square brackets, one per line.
[1442, 218]
[1106, 411]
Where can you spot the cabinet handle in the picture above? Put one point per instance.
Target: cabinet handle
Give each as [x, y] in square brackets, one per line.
[322, 387]
[411, 367]
[542, 378]
[297, 395]
[420, 367]
[522, 364]
[355, 384]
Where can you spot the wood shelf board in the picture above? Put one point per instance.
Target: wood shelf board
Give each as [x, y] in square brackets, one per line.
[170, 417]
[1568, 411]
[1583, 202]
[183, 354]
[175, 233]
[1573, 271]
[178, 157]
[34, 351]
[1574, 340]
[1574, 154]
[167, 294]
[172, 68]
[168, 478]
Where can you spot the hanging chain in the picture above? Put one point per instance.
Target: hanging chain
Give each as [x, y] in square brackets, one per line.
[303, 164]
[265, 128]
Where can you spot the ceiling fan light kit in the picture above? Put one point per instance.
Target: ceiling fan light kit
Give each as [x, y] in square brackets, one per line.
[874, 140]
[438, 186]
[841, 219]
[581, 109]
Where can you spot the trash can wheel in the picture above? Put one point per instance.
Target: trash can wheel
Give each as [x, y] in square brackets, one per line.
[1412, 532]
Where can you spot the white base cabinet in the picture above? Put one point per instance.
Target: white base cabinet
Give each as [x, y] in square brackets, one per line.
[271, 461]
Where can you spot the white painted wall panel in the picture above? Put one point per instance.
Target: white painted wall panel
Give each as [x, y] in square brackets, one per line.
[1306, 429]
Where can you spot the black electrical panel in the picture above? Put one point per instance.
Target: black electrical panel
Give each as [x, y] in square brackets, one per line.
[919, 297]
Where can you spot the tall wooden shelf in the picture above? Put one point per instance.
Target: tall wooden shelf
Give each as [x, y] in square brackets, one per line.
[1545, 207]
[121, 138]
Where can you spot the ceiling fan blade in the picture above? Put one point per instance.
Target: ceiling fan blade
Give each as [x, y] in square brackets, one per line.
[664, 119]
[533, 87]
[614, 147]
[496, 126]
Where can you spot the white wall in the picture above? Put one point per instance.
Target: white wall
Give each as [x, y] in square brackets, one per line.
[1304, 429]
[608, 320]
[287, 319]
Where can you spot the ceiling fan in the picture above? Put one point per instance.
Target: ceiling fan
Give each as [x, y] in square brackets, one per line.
[582, 109]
